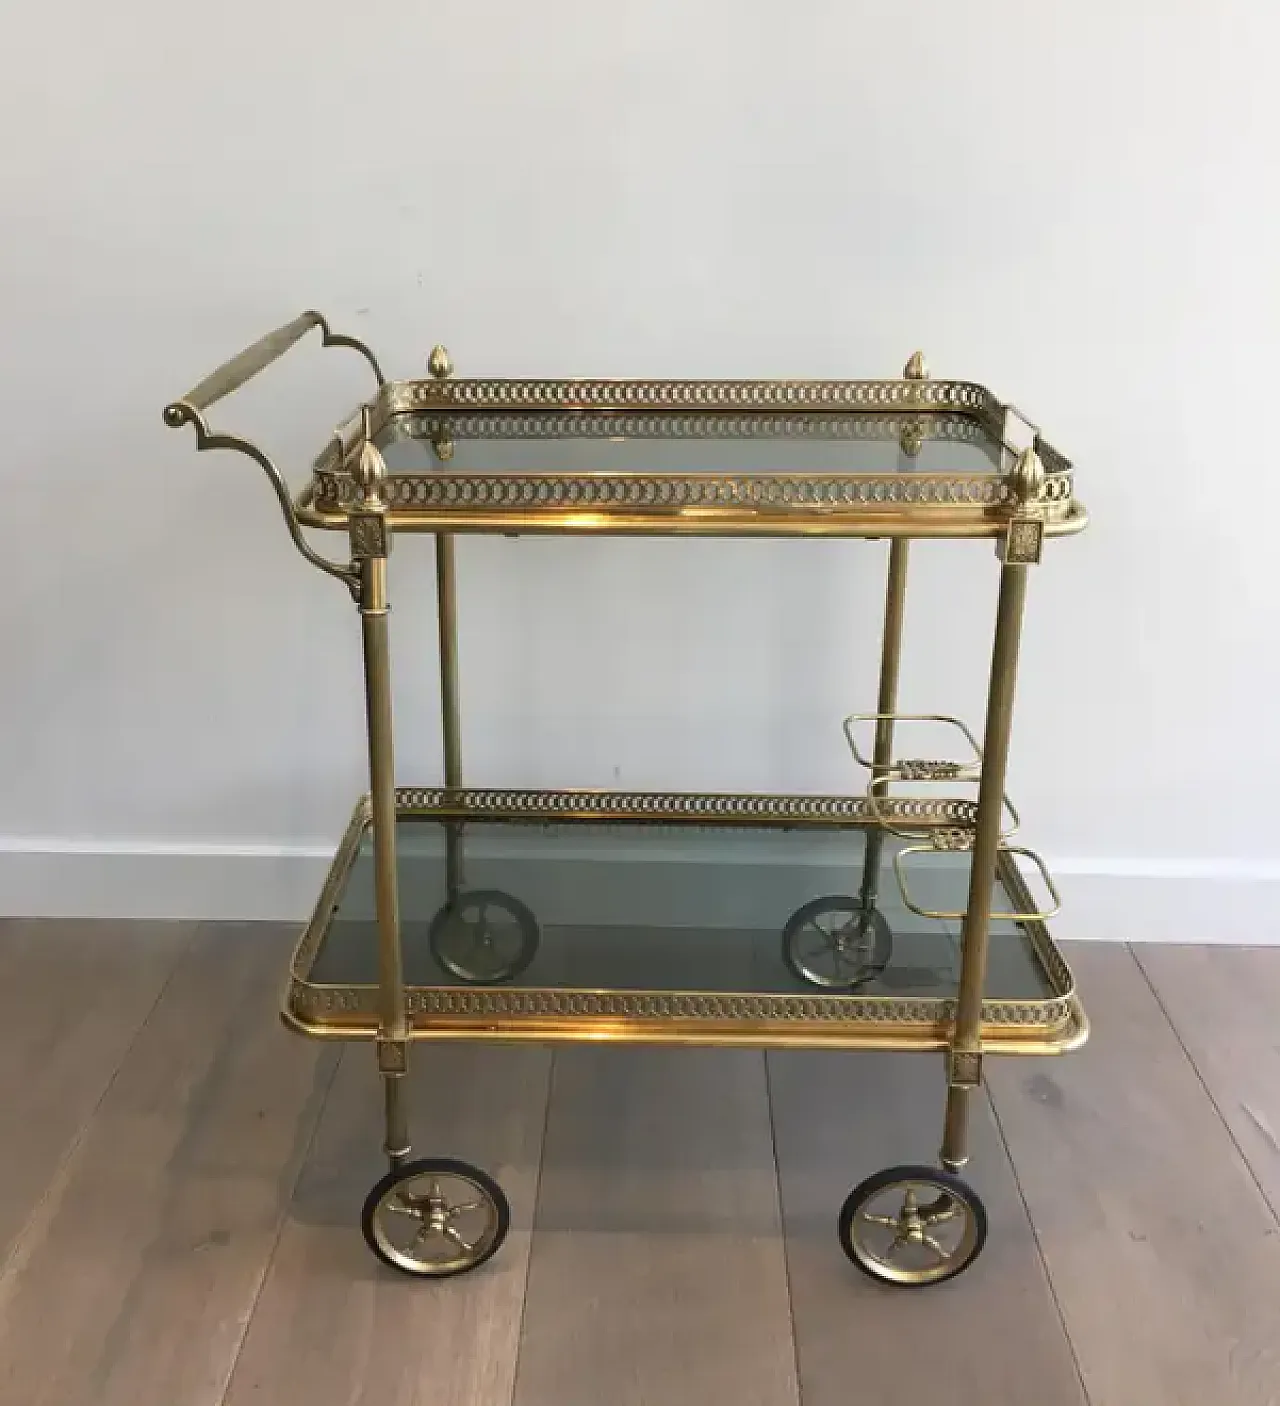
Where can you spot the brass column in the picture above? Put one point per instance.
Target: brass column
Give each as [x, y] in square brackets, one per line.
[370, 544]
[446, 610]
[441, 367]
[895, 602]
[964, 1057]
[447, 617]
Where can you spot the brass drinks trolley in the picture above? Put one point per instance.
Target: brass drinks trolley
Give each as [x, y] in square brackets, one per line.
[894, 915]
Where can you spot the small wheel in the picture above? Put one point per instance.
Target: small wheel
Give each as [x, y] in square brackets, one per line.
[484, 937]
[836, 943]
[435, 1217]
[913, 1225]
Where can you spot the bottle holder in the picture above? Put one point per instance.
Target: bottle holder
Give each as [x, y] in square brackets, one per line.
[959, 839]
[927, 772]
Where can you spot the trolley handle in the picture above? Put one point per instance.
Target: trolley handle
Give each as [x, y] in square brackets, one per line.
[233, 374]
[245, 365]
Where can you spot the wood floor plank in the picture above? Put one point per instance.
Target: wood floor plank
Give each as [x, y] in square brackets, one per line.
[1223, 1003]
[657, 1272]
[140, 1268]
[991, 1336]
[332, 1324]
[1162, 1252]
[72, 997]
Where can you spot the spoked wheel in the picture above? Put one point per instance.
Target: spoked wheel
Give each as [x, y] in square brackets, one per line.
[484, 937]
[836, 943]
[913, 1225]
[435, 1217]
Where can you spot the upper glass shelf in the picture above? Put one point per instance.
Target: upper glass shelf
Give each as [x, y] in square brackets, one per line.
[912, 458]
[619, 441]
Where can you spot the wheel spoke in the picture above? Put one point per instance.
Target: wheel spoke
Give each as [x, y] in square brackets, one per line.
[890, 1221]
[466, 1246]
[461, 1210]
[402, 1208]
[946, 1208]
[863, 939]
[927, 1239]
[846, 961]
[806, 949]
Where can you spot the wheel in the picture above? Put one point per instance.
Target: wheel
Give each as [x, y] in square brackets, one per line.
[913, 1225]
[435, 1217]
[836, 943]
[484, 937]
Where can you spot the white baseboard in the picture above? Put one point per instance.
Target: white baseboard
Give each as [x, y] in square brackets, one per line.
[1220, 901]
[57, 879]
[1217, 901]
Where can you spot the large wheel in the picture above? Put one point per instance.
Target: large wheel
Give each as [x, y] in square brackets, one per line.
[435, 1217]
[484, 937]
[913, 1226]
[836, 943]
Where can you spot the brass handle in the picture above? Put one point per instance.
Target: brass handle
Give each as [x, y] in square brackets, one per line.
[245, 365]
[230, 376]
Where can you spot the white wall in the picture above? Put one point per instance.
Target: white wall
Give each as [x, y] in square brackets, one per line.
[1074, 203]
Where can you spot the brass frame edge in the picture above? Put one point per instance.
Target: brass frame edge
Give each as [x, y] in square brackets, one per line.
[1067, 1033]
[1062, 517]
[977, 524]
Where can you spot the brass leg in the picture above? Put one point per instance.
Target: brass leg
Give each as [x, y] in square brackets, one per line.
[392, 1023]
[895, 602]
[964, 1057]
[450, 718]
[397, 1146]
[955, 1127]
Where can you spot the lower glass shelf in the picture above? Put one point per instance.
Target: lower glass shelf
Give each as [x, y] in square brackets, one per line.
[670, 919]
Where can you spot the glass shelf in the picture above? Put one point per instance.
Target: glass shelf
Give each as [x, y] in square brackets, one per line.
[703, 458]
[697, 931]
[608, 442]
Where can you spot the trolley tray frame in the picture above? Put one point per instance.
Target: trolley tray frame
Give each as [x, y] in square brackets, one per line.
[349, 1011]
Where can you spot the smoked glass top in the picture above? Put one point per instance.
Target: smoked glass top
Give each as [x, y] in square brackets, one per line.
[686, 442]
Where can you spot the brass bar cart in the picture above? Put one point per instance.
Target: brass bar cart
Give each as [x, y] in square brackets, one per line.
[894, 914]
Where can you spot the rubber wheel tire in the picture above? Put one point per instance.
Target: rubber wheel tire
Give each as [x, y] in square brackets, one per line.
[881, 951]
[529, 935]
[945, 1181]
[441, 1166]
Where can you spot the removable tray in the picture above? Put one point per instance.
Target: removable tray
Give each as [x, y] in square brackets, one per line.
[658, 918]
[841, 458]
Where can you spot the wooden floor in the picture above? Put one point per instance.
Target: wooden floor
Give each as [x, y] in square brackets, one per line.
[180, 1183]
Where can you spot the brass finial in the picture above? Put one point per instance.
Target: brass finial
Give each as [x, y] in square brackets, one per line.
[1028, 476]
[911, 440]
[916, 369]
[371, 467]
[438, 363]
